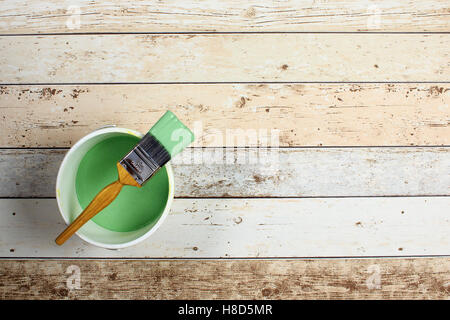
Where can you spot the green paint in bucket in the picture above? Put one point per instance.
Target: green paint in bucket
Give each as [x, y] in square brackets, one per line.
[134, 208]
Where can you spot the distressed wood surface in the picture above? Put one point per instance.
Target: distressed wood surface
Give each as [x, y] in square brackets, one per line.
[333, 114]
[230, 228]
[422, 278]
[224, 58]
[223, 16]
[258, 172]
[304, 114]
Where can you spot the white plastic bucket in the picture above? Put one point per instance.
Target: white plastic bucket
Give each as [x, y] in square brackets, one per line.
[70, 208]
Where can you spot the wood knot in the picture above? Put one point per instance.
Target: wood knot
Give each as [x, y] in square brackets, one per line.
[112, 276]
[266, 292]
[250, 12]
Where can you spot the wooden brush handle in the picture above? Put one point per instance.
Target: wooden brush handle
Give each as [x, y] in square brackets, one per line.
[101, 200]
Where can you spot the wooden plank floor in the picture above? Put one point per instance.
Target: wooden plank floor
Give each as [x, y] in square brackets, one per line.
[207, 58]
[284, 172]
[250, 228]
[420, 278]
[331, 114]
[340, 188]
[224, 16]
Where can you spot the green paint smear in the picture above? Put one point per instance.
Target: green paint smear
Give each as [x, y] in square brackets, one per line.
[134, 207]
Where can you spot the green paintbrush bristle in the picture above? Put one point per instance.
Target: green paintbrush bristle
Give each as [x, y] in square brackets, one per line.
[168, 137]
[172, 133]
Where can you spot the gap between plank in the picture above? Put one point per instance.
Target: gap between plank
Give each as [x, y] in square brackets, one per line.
[259, 147]
[213, 83]
[230, 258]
[214, 33]
[260, 197]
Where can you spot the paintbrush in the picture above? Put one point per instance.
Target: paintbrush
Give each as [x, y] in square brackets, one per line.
[168, 137]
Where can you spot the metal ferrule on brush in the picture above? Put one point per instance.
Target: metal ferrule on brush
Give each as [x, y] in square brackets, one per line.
[145, 159]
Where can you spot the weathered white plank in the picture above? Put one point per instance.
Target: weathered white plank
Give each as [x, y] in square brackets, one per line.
[304, 114]
[213, 228]
[222, 15]
[253, 172]
[225, 58]
[387, 278]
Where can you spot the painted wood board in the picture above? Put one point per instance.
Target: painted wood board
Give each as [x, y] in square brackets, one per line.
[224, 58]
[420, 278]
[243, 228]
[222, 16]
[286, 114]
[258, 172]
